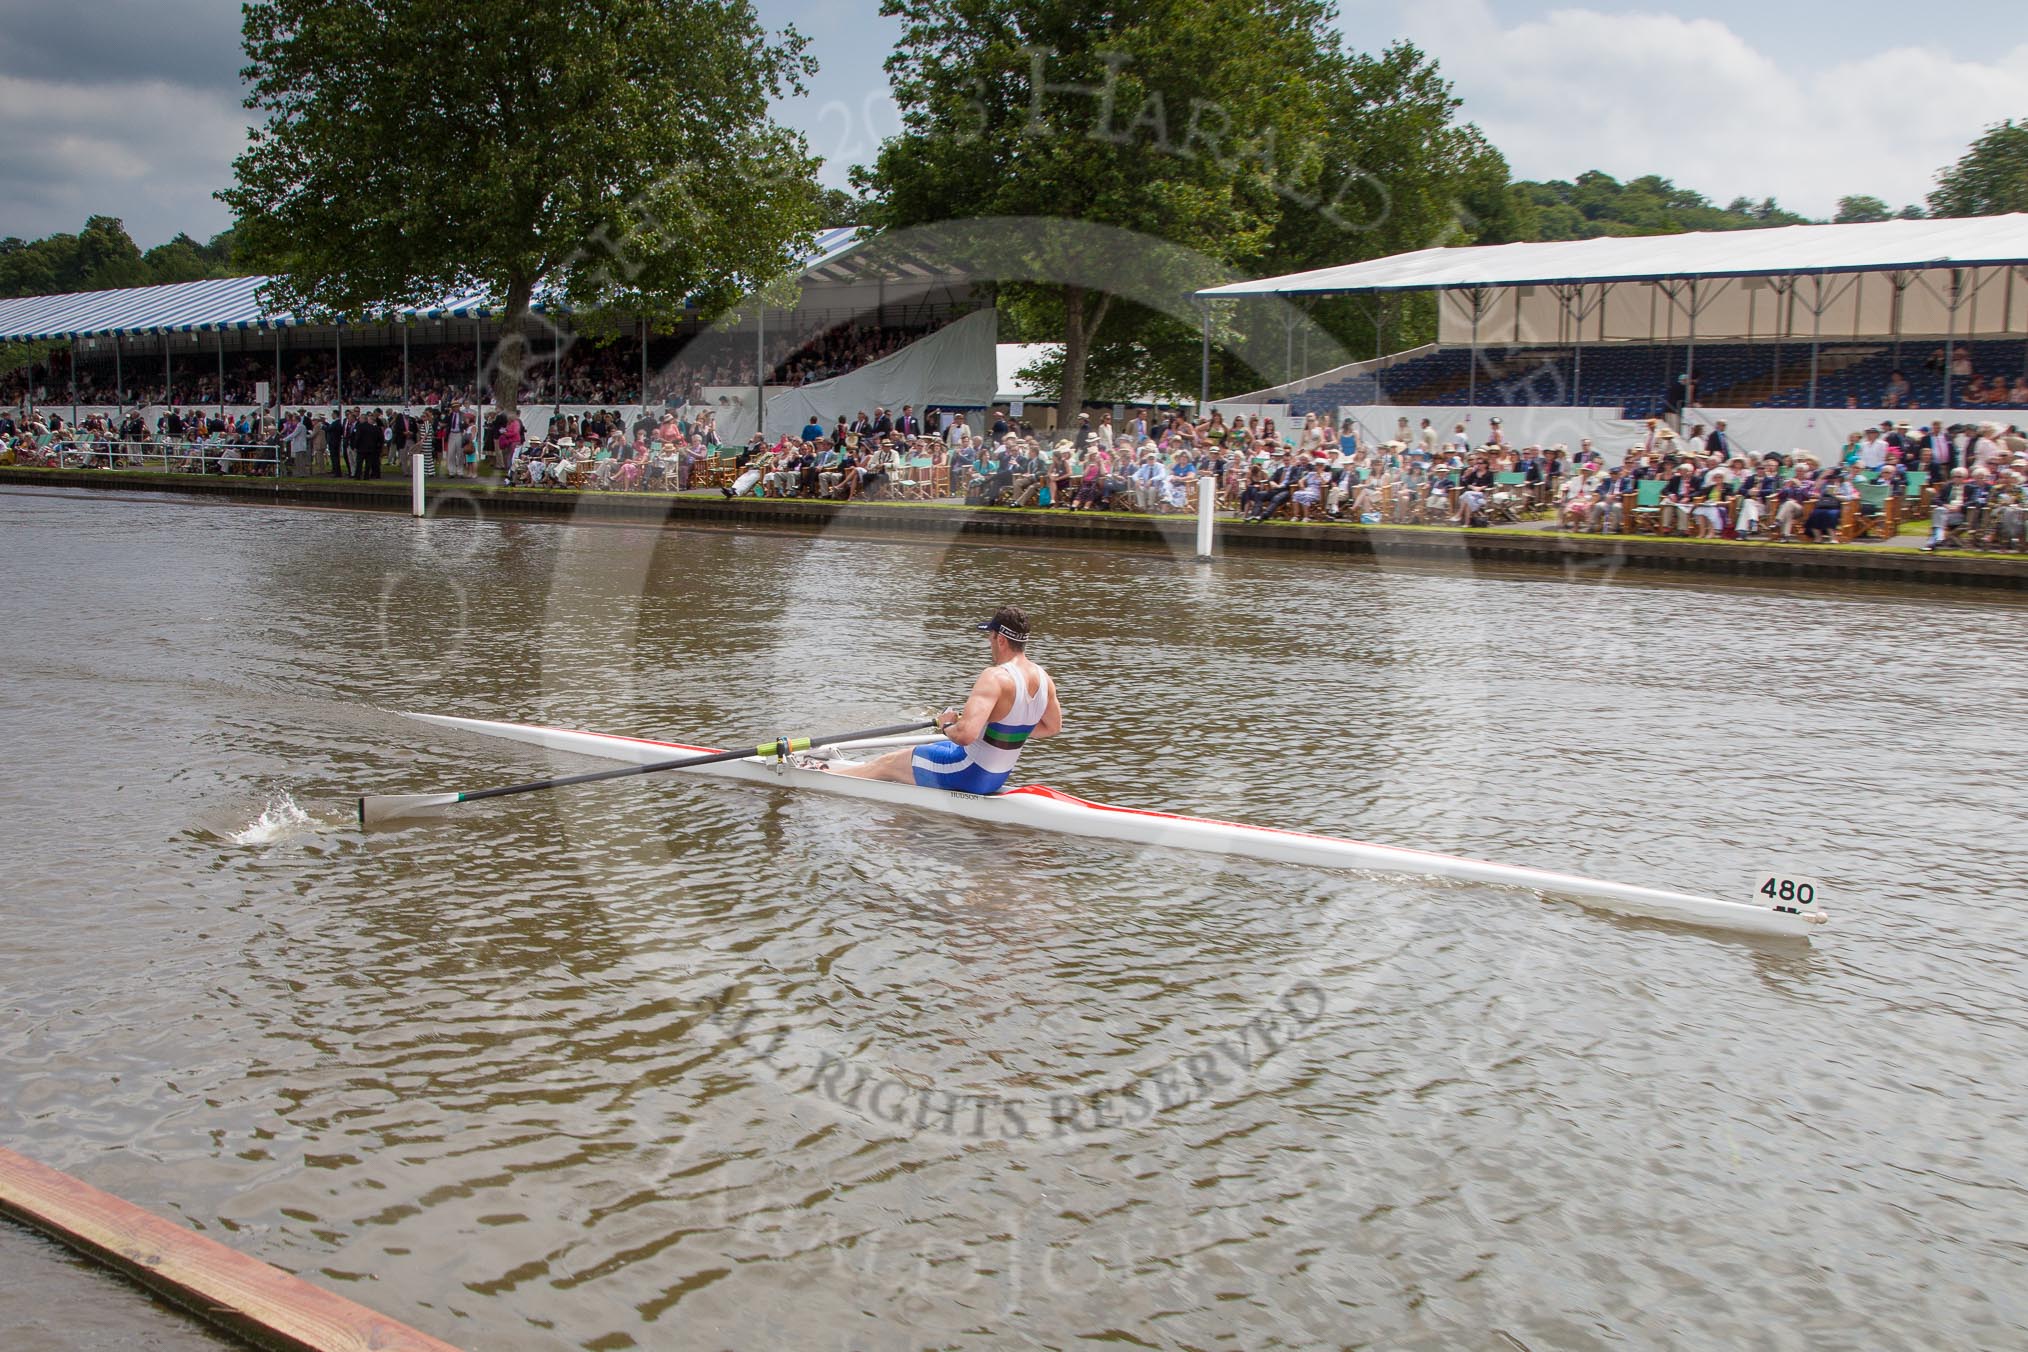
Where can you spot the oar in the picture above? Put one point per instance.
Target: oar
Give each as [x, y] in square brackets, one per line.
[377, 808]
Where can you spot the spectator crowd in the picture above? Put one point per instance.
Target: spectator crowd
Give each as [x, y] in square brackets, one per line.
[1968, 481]
[679, 369]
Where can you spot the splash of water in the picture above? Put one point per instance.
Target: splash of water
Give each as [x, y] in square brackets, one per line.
[279, 818]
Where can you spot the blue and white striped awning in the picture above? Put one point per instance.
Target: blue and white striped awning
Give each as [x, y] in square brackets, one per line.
[183, 307]
[234, 303]
[832, 245]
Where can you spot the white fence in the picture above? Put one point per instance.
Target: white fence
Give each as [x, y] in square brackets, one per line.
[1752, 431]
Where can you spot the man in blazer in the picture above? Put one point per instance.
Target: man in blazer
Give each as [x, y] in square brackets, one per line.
[334, 442]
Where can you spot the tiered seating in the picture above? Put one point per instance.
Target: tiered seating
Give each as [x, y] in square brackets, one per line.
[1635, 377]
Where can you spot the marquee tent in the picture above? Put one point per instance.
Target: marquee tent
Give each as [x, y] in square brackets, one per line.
[1814, 283]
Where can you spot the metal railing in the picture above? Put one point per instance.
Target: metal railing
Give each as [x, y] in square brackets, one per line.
[202, 457]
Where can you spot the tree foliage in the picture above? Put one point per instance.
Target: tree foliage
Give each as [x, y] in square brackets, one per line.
[600, 153]
[1859, 208]
[836, 207]
[1990, 179]
[1207, 125]
[1598, 205]
[102, 256]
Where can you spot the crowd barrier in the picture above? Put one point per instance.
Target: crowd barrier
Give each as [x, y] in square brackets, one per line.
[160, 457]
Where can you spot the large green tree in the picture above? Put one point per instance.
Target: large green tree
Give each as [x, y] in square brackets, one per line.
[1597, 205]
[596, 154]
[1862, 207]
[1184, 121]
[103, 255]
[1990, 179]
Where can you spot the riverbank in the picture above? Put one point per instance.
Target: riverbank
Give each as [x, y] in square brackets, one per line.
[1884, 561]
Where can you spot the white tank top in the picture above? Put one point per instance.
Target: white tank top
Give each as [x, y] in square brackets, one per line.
[999, 747]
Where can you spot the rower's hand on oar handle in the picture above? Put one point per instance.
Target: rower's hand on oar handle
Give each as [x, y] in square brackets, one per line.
[947, 720]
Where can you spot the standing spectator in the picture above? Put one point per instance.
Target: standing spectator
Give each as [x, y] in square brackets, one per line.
[334, 442]
[367, 441]
[512, 434]
[296, 436]
[1717, 443]
[403, 435]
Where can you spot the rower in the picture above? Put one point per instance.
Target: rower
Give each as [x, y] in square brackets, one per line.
[1012, 701]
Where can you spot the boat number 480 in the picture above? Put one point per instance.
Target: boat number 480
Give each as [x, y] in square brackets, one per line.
[1787, 892]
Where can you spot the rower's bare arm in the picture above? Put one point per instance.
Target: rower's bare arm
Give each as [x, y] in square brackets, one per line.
[1052, 717]
[978, 710]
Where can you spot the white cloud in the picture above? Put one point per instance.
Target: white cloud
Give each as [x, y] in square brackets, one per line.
[1691, 100]
[149, 152]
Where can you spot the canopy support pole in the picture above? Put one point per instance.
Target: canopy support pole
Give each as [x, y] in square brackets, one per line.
[1816, 336]
[219, 334]
[1477, 295]
[338, 351]
[278, 372]
[644, 367]
[168, 390]
[760, 363]
[1690, 358]
[404, 367]
[119, 377]
[1951, 338]
[478, 441]
[1900, 281]
[73, 380]
[1204, 359]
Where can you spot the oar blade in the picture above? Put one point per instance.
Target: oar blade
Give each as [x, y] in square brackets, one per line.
[376, 809]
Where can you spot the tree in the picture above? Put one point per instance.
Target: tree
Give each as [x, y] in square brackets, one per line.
[108, 257]
[1861, 208]
[596, 153]
[1597, 205]
[836, 208]
[1990, 179]
[1189, 121]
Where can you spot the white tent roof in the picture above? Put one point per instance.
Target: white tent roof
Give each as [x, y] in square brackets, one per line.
[234, 302]
[1795, 250]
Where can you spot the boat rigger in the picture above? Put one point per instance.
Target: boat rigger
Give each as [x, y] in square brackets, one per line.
[1048, 809]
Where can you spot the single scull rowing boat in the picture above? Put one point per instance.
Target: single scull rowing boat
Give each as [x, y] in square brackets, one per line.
[1050, 810]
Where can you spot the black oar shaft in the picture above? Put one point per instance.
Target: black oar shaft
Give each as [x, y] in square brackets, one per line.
[774, 748]
[377, 808]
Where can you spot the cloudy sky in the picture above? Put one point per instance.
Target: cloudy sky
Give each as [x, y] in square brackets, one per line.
[131, 107]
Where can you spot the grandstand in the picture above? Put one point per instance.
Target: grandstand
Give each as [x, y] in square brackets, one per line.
[214, 344]
[1774, 325]
[1633, 377]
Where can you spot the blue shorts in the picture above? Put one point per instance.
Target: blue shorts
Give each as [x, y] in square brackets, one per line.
[944, 765]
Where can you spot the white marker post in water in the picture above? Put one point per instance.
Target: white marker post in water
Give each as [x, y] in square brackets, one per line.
[1207, 499]
[415, 482]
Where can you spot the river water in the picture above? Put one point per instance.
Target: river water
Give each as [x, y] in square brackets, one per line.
[676, 1064]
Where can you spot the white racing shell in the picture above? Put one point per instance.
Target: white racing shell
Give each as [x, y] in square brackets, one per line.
[1050, 810]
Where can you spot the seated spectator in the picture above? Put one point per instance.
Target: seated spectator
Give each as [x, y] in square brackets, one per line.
[1755, 492]
[1821, 525]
